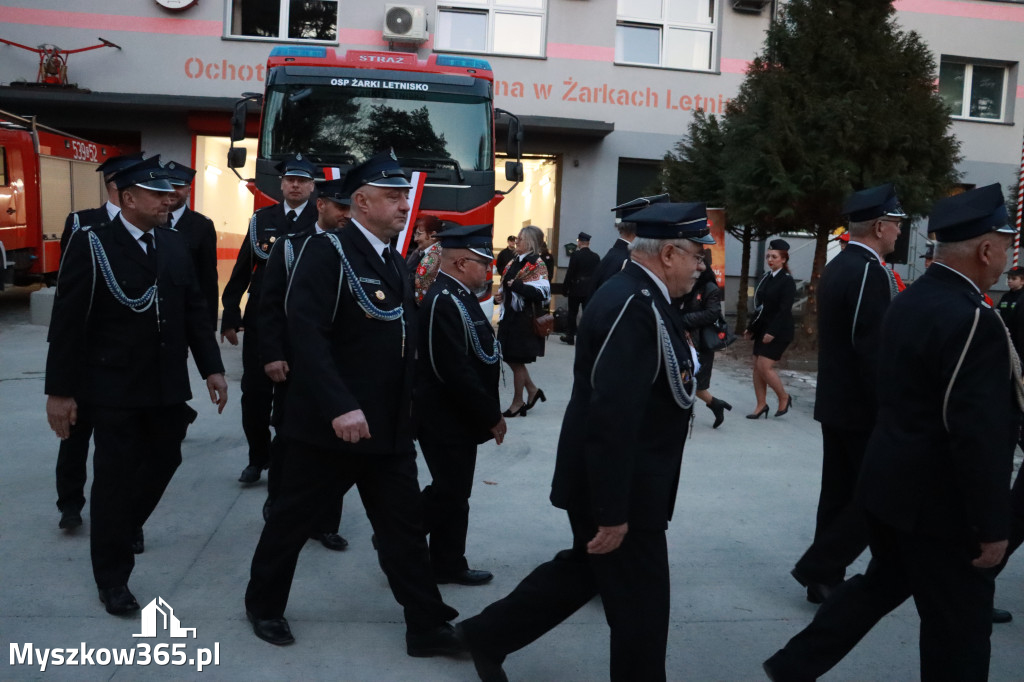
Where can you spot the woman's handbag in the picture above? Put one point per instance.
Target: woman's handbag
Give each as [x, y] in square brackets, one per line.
[716, 336]
[543, 325]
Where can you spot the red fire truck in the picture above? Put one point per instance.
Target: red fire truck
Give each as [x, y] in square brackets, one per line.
[44, 175]
[337, 110]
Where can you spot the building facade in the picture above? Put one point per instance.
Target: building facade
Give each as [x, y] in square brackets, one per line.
[604, 87]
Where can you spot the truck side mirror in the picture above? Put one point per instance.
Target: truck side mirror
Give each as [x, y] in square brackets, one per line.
[515, 138]
[238, 121]
[236, 157]
[514, 171]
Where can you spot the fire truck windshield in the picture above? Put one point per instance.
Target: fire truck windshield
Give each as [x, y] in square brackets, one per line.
[433, 131]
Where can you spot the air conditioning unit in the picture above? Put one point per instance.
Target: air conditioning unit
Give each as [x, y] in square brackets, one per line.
[405, 24]
[752, 6]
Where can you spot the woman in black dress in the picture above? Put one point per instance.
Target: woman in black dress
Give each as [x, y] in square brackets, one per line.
[525, 293]
[701, 308]
[772, 327]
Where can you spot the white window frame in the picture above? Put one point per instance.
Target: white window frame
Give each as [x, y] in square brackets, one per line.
[965, 100]
[664, 25]
[282, 26]
[493, 8]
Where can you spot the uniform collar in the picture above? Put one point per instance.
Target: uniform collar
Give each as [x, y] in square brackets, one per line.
[298, 209]
[374, 240]
[112, 210]
[966, 279]
[656, 279]
[176, 215]
[867, 248]
[442, 272]
[136, 232]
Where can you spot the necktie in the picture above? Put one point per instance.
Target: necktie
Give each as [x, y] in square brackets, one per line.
[292, 215]
[148, 240]
[396, 278]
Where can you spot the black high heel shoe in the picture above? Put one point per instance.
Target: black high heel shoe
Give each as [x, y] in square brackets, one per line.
[521, 412]
[782, 411]
[757, 415]
[539, 395]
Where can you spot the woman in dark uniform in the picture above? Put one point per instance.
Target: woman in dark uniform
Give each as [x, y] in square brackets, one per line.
[772, 327]
[701, 308]
[525, 293]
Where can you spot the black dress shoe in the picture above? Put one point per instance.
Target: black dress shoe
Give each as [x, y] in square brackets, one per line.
[331, 541]
[250, 474]
[70, 519]
[118, 600]
[565, 338]
[273, 630]
[441, 641]
[468, 576]
[488, 668]
[138, 542]
[817, 593]
[1001, 616]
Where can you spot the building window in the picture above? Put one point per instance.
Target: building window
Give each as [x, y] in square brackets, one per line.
[974, 90]
[677, 34]
[284, 19]
[491, 26]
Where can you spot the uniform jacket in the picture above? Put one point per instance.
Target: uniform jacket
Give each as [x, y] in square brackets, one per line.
[456, 392]
[853, 295]
[247, 275]
[1007, 304]
[701, 307]
[775, 295]
[273, 323]
[611, 263]
[621, 444]
[105, 354]
[345, 360]
[201, 237]
[578, 278]
[939, 459]
[90, 216]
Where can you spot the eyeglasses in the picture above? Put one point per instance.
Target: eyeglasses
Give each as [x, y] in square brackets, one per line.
[698, 257]
[481, 261]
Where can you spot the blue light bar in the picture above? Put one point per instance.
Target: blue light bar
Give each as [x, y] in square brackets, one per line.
[288, 51]
[463, 62]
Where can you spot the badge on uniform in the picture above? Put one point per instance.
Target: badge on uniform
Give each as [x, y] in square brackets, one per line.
[272, 239]
[379, 294]
[685, 375]
[645, 292]
[264, 247]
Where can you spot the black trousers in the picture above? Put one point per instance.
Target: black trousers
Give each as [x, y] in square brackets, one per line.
[390, 493]
[257, 399]
[633, 582]
[137, 452]
[576, 304]
[841, 531]
[329, 520]
[446, 501]
[953, 598]
[72, 463]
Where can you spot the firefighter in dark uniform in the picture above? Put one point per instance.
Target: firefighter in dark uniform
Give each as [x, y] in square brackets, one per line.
[1008, 302]
[128, 310]
[348, 414]
[578, 285]
[333, 202]
[935, 481]
[853, 295]
[73, 453]
[456, 399]
[295, 213]
[201, 237]
[618, 255]
[618, 482]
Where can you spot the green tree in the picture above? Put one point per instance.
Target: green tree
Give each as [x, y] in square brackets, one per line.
[839, 99]
[693, 171]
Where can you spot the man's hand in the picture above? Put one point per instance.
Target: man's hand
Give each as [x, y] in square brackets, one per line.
[351, 427]
[231, 335]
[277, 371]
[608, 539]
[218, 388]
[62, 413]
[499, 431]
[991, 554]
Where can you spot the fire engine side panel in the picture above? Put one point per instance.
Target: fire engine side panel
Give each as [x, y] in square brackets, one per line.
[17, 153]
[56, 200]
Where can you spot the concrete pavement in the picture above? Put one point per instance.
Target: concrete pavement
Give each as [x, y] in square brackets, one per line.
[745, 513]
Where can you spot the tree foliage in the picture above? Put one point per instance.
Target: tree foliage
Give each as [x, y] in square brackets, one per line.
[839, 99]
